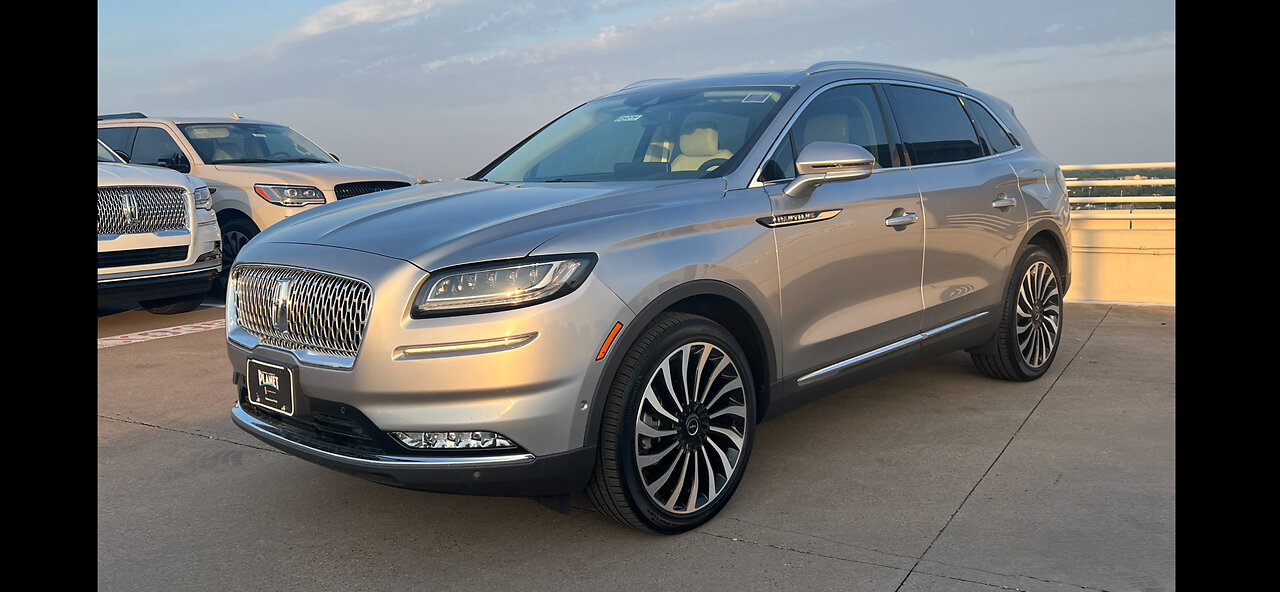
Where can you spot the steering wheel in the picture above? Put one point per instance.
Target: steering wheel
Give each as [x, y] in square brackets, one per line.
[282, 154]
[712, 164]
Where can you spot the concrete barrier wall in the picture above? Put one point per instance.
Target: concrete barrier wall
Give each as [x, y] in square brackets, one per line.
[1123, 260]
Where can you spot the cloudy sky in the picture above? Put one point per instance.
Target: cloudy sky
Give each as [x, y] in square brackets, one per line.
[438, 88]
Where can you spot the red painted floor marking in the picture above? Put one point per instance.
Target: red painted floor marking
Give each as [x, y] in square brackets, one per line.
[160, 333]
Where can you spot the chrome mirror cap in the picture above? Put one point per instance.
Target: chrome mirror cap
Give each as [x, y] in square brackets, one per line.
[829, 162]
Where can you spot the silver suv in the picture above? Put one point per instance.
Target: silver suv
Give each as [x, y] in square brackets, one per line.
[158, 240]
[259, 172]
[615, 302]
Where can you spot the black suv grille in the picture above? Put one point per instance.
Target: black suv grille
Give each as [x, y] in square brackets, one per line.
[141, 256]
[346, 190]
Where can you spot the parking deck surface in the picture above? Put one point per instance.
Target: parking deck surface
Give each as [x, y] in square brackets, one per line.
[934, 478]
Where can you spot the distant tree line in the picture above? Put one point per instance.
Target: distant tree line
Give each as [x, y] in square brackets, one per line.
[1123, 190]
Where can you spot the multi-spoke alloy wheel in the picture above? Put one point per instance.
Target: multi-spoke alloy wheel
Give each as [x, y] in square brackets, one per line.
[1031, 323]
[689, 428]
[1039, 310]
[678, 426]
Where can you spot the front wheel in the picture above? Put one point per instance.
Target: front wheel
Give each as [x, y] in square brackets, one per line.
[678, 426]
[172, 306]
[1031, 322]
[235, 234]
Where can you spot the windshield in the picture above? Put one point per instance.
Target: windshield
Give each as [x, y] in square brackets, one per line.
[669, 134]
[224, 143]
[105, 154]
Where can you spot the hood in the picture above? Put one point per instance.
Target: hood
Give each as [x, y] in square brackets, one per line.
[322, 175]
[439, 225]
[116, 174]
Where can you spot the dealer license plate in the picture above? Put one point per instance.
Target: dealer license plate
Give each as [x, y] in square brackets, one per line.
[270, 386]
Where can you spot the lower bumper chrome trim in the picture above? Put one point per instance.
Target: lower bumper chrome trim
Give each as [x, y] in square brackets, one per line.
[831, 370]
[274, 434]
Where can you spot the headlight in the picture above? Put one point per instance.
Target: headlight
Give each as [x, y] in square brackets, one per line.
[290, 195]
[500, 285]
[203, 199]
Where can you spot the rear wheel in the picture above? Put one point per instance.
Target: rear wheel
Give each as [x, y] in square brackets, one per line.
[678, 427]
[1031, 323]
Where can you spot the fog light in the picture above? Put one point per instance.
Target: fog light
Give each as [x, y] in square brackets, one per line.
[455, 440]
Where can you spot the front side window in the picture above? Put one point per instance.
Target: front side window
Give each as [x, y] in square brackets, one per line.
[119, 139]
[934, 125]
[661, 134]
[848, 114]
[229, 143]
[154, 146]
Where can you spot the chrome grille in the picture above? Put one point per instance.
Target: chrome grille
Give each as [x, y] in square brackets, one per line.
[139, 210]
[319, 312]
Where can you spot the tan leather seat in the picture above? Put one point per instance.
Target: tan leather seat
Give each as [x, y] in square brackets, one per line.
[829, 127]
[699, 142]
[227, 152]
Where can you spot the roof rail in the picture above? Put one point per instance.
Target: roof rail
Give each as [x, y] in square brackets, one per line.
[851, 65]
[132, 115]
[647, 82]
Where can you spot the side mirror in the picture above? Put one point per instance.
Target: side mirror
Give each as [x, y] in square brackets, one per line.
[828, 162]
[177, 162]
[123, 155]
[335, 157]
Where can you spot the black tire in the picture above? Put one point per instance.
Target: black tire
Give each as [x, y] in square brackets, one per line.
[236, 232]
[170, 306]
[1030, 330]
[715, 429]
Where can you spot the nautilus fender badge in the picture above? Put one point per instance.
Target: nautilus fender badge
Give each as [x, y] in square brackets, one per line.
[797, 218]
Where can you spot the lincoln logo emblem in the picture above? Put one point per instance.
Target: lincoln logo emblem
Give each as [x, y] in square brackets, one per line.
[129, 207]
[280, 307]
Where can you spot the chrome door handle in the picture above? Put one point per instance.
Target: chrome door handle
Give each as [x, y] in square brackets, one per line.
[1003, 201]
[900, 220]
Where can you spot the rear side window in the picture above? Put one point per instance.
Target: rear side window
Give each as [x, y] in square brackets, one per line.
[998, 140]
[934, 125]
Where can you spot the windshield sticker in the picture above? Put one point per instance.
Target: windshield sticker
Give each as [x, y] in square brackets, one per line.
[755, 98]
[632, 117]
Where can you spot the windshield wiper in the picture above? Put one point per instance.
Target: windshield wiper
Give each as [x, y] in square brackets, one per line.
[300, 160]
[242, 160]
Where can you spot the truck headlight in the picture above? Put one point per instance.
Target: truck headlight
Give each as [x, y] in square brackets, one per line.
[203, 199]
[290, 195]
[500, 285]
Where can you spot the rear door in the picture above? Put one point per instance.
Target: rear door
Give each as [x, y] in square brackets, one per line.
[973, 215]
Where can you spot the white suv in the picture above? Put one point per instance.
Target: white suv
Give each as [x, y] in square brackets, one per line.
[159, 244]
[259, 172]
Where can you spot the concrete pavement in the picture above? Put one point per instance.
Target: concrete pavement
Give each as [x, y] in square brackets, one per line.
[934, 478]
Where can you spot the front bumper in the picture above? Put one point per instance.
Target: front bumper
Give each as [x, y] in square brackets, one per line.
[538, 393]
[500, 474]
[157, 287]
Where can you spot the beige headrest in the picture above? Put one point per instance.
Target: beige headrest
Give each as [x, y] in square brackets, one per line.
[829, 127]
[699, 139]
